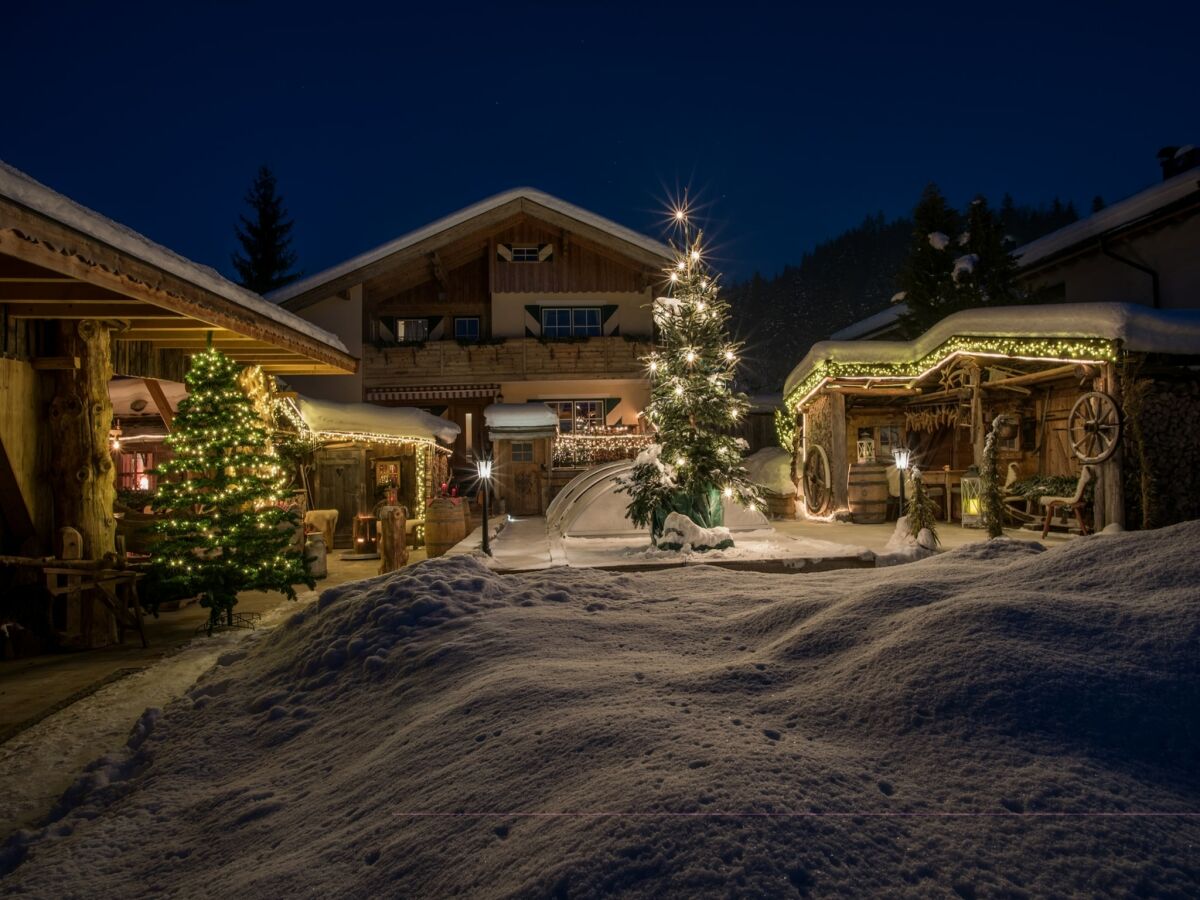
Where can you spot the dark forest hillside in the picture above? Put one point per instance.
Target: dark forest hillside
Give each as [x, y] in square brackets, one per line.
[839, 282]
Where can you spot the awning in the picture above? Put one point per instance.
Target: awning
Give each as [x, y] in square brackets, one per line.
[520, 421]
[368, 422]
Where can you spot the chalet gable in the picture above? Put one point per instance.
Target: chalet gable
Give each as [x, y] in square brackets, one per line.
[522, 240]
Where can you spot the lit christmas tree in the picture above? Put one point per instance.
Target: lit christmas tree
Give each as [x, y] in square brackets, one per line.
[696, 462]
[221, 529]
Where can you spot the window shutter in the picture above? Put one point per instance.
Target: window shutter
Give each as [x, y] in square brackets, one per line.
[504, 252]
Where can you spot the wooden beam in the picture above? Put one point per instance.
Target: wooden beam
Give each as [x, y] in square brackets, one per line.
[106, 310]
[63, 290]
[160, 401]
[1032, 377]
[51, 363]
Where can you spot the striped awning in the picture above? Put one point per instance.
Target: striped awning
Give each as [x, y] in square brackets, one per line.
[433, 393]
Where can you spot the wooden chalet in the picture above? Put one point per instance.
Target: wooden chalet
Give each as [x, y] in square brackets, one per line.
[519, 298]
[82, 300]
[1103, 386]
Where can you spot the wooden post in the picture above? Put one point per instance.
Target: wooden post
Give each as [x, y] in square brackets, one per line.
[978, 430]
[81, 478]
[1108, 506]
[393, 546]
[839, 464]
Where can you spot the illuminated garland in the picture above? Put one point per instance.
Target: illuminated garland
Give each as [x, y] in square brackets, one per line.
[291, 412]
[1039, 349]
[576, 450]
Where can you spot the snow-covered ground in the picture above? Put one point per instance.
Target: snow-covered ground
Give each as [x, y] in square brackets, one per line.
[38, 764]
[998, 720]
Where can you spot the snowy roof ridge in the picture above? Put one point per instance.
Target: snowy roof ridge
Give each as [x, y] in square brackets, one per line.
[1119, 214]
[1139, 328]
[20, 188]
[332, 417]
[464, 215]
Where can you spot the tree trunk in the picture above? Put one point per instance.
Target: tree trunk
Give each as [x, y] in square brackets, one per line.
[81, 476]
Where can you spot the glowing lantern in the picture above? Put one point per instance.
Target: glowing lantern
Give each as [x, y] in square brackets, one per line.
[972, 499]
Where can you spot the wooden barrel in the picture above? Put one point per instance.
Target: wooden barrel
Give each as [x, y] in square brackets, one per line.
[868, 493]
[444, 526]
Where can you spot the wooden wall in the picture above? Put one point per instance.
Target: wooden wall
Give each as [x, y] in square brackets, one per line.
[21, 415]
[577, 265]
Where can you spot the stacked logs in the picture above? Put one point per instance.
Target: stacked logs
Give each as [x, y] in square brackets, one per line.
[1164, 439]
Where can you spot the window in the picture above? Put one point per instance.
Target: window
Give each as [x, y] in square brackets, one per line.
[403, 331]
[134, 473]
[525, 253]
[522, 451]
[578, 415]
[466, 328]
[571, 321]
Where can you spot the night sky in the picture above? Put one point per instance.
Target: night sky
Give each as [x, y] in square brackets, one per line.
[787, 126]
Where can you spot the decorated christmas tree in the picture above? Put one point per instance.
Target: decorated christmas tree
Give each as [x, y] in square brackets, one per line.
[993, 491]
[220, 525]
[696, 463]
[921, 512]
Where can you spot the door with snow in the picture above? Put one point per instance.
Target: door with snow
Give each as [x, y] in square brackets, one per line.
[341, 483]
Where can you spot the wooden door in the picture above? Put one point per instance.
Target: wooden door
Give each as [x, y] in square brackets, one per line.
[340, 483]
[525, 478]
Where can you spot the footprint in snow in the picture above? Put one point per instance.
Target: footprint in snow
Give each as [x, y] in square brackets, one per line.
[772, 733]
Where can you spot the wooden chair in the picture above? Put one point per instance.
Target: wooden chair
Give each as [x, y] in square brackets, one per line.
[1075, 503]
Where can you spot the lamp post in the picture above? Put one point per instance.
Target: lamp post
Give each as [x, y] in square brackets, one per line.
[484, 468]
[902, 456]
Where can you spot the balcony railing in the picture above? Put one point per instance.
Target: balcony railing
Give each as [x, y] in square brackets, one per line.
[508, 359]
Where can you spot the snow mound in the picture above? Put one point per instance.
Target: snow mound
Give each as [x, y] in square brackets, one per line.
[938, 240]
[682, 534]
[771, 468]
[997, 720]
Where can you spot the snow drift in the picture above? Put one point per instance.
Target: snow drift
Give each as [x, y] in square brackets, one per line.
[998, 720]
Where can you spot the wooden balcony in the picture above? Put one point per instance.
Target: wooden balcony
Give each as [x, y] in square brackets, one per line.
[514, 359]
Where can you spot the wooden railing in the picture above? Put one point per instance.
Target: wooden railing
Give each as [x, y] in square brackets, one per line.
[510, 359]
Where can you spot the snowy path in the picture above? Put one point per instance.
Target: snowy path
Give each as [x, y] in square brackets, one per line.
[38, 764]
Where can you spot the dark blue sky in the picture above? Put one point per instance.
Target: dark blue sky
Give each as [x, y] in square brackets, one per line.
[791, 124]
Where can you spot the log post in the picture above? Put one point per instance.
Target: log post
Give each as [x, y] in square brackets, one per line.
[1108, 506]
[393, 546]
[81, 477]
[839, 464]
[978, 431]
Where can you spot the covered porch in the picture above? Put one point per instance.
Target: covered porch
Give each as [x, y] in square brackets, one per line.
[84, 300]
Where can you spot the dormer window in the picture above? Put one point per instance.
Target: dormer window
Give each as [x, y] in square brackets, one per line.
[525, 253]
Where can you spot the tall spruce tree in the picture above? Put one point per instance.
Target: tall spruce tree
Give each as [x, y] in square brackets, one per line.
[985, 270]
[695, 462]
[927, 277]
[266, 262]
[220, 525]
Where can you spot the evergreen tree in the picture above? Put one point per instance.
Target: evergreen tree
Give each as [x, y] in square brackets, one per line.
[927, 278]
[985, 272]
[921, 512]
[992, 501]
[266, 261]
[220, 526]
[692, 404]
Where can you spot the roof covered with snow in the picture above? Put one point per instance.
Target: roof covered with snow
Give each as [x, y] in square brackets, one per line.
[1120, 214]
[864, 328]
[1138, 328]
[520, 417]
[24, 190]
[579, 214]
[329, 417]
[125, 393]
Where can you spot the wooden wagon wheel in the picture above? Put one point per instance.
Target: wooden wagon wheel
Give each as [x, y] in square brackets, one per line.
[1094, 427]
[817, 484]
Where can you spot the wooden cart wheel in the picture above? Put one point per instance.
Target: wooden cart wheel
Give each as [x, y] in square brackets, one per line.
[1094, 427]
[817, 484]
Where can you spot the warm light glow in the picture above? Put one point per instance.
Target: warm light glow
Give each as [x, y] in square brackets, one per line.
[682, 265]
[729, 355]
[679, 390]
[674, 276]
[728, 492]
[653, 365]
[902, 457]
[695, 256]
[484, 466]
[690, 356]
[680, 215]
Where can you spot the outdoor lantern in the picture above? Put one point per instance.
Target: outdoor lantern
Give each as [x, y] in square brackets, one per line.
[866, 450]
[366, 533]
[972, 499]
[902, 457]
[484, 467]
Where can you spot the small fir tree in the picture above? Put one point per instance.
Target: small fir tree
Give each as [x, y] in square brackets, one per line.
[695, 462]
[992, 501]
[266, 262]
[220, 527]
[921, 512]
